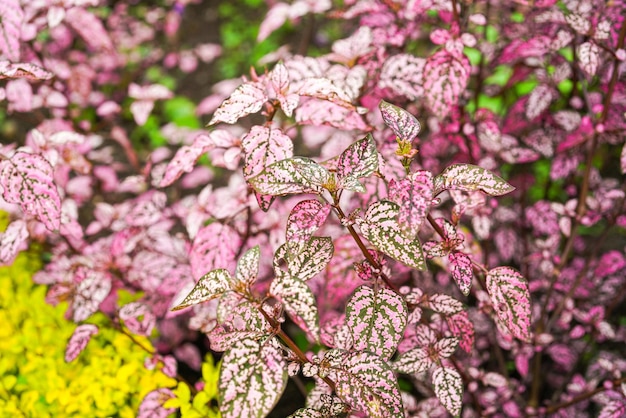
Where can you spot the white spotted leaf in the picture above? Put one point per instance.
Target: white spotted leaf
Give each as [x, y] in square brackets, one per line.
[444, 304]
[468, 177]
[11, 21]
[446, 346]
[445, 79]
[448, 387]
[377, 318]
[402, 123]
[79, 340]
[414, 195]
[210, 286]
[289, 176]
[11, 241]
[416, 360]
[510, 298]
[312, 259]
[263, 146]
[359, 160]
[461, 270]
[305, 218]
[93, 287]
[298, 300]
[246, 99]
[248, 266]
[589, 57]
[538, 100]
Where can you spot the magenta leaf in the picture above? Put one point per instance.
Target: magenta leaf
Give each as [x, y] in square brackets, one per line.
[414, 195]
[90, 29]
[215, 246]
[377, 319]
[27, 179]
[365, 382]
[298, 301]
[93, 288]
[448, 386]
[380, 227]
[152, 405]
[23, 70]
[263, 146]
[359, 160]
[404, 75]
[138, 318]
[538, 100]
[210, 286]
[305, 218]
[11, 241]
[294, 175]
[416, 360]
[402, 123]
[185, 159]
[510, 298]
[461, 270]
[253, 376]
[461, 326]
[616, 408]
[588, 54]
[444, 304]
[78, 341]
[11, 20]
[248, 266]
[246, 99]
[469, 177]
[445, 78]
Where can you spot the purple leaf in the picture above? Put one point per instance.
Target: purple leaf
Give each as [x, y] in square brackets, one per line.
[11, 20]
[298, 300]
[445, 78]
[538, 100]
[359, 160]
[377, 319]
[248, 266]
[402, 123]
[27, 179]
[614, 409]
[78, 341]
[210, 286]
[22, 70]
[414, 195]
[246, 99]
[253, 376]
[381, 229]
[416, 360]
[461, 270]
[444, 304]
[589, 57]
[448, 387]
[11, 241]
[185, 159]
[263, 146]
[152, 405]
[93, 288]
[215, 246]
[511, 300]
[365, 382]
[469, 177]
[463, 328]
[305, 218]
[294, 175]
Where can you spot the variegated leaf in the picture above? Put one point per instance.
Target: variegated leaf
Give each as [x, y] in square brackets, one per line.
[298, 300]
[589, 57]
[263, 146]
[185, 159]
[377, 319]
[11, 241]
[448, 386]
[210, 286]
[93, 288]
[312, 259]
[253, 376]
[246, 99]
[461, 270]
[444, 304]
[359, 160]
[538, 100]
[11, 21]
[404, 75]
[402, 123]
[152, 405]
[469, 177]
[461, 326]
[446, 346]
[138, 318]
[510, 298]
[380, 227]
[365, 382]
[78, 341]
[286, 177]
[416, 360]
[305, 218]
[312, 171]
[445, 78]
[23, 70]
[224, 338]
[215, 246]
[307, 413]
[27, 180]
[240, 314]
[414, 195]
[615, 408]
[248, 266]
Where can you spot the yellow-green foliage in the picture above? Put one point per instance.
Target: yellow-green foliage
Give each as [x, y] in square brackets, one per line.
[107, 380]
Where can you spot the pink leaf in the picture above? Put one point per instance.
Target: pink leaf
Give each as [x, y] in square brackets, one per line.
[78, 341]
[279, 87]
[444, 304]
[414, 195]
[273, 20]
[90, 28]
[138, 318]
[305, 218]
[463, 328]
[538, 101]
[446, 346]
[248, 266]
[359, 160]
[185, 159]
[210, 286]
[402, 123]
[416, 360]
[23, 70]
[298, 300]
[349, 49]
[27, 179]
[448, 386]
[263, 146]
[445, 78]
[215, 246]
[294, 175]
[248, 98]
[321, 112]
[469, 177]
[11, 20]
[12, 240]
[404, 75]
[152, 405]
[461, 270]
[311, 259]
[614, 409]
[589, 57]
[93, 288]
[511, 300]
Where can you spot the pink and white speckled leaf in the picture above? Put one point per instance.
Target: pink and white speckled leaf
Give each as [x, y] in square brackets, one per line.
[377, 319]
[223, 338]
[305, 218]
[27, 180]
[263, 146]
[461, 270]
[210, 286]
[93, 288]
[23, 70]
[298, 300]
[79, 340]
[414, 195]
[380, 227]
[448, 386]
[11, 241]
[185, 159]
[359, 160]
[11, 20]
[469, 177]
[365, 382]
[253, 376]
[246, 99]
[215, 246]
[444, 304]
[90, 28]
[138, 318]
[404, 75]
[248, 266]
[446, 346]
[240, 314]
[308, 413]
[538, 100]
[622, 159]
[445, 78]
[294, 175]
[152, 405]
[312, 259]
[588, 54]
[615, 408]
[402, 123]
[278, 85]
[461, 326]
[510, 298]
[416, 360]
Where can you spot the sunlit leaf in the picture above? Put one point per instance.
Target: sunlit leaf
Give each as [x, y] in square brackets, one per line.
[210, 286]
[469, 177]
[402, 123]
[448, 386]
[510, 298]
[246, 99]
[298, 300]
[79, 340]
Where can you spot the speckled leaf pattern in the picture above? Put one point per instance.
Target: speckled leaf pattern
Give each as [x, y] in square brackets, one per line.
[248, 266]
[305, 218]
[307, 413]
[359, 160]
[27, 180]
[444, 304]
[263, 146]
[461, 270]
[78, 341]
[185, 159]
[416, 360]
[311, 171]
[210, 286]
[365, 382]
[312, 259]
[285, 177]
[215, 246]
[298, 300]
[11, 241]
[448, 387]
[93, 288]
[414, 195]
[589, 57]
[152, 405]
[510, 298]
[246, 99]
[23, 70]
[461, 326]
[253, 376]
[538, 100]
[404, 74]
[11, 20]
[445, 78]
[222, 339]
[402, 123]
[380, 227]
[446, 346]
[377, 318]
[470, 177]
[615, 408]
